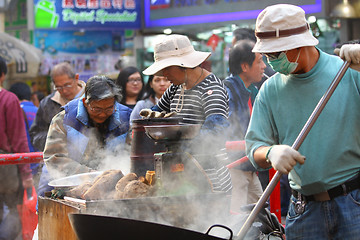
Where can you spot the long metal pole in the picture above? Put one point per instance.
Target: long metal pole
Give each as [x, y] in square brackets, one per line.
[299, 140]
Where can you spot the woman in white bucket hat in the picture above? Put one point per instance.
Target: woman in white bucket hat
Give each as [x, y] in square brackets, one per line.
[196, 95]
[326, 196]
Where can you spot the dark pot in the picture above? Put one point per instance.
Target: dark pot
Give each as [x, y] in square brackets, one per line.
[143, 147]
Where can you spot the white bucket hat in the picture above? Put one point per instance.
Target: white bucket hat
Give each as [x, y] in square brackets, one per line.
[175, 50]
[282, 27]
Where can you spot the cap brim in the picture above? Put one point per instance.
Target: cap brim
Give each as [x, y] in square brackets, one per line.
[271, 45]
[188, 61]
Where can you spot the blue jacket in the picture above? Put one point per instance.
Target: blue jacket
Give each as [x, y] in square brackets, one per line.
[76, 123]
[239, 114]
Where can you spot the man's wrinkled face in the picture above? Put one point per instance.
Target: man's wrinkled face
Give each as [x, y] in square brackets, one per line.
[100, 110]
[67, 87]
[175, 74]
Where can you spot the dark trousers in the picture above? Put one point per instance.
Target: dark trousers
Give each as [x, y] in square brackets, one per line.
[10, 226]
[11, 193]
[285, 194]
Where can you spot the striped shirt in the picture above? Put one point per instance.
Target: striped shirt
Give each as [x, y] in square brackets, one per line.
[207, 98]
[194, 106]
[220, 179]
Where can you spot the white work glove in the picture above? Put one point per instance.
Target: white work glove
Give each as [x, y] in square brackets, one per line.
[148, 113]
[283, 158]
[351, 53]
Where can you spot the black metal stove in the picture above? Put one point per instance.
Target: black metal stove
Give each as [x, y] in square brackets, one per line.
[177, 171]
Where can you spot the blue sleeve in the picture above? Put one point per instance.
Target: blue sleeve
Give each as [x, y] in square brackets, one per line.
[214, 124]
[231, 101]
[156, 108]
[211, 137]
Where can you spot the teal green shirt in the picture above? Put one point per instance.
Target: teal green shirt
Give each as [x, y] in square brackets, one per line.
[332, 147]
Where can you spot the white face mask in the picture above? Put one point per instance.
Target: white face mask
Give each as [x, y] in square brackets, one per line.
[282, 64]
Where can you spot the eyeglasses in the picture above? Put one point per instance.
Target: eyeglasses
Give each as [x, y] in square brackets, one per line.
[107, 111]
[134, 80]
[66, 86]
[272, 55]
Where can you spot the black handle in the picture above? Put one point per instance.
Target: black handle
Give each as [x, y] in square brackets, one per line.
[220, 226]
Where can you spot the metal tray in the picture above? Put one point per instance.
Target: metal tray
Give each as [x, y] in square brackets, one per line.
[74, 180]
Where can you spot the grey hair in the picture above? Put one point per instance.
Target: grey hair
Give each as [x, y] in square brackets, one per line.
[101, 87]
[63, 68]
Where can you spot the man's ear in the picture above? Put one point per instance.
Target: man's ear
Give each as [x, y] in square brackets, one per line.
[76, 76]
[244, 67]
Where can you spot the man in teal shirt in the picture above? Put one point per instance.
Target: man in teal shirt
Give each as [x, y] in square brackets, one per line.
[326, 196]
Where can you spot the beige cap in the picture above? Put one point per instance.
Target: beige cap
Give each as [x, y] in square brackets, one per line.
[282, 27]
[175, 50]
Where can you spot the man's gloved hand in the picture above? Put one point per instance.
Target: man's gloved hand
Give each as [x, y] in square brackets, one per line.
[283, 158]
[351, 53]
[148, 113]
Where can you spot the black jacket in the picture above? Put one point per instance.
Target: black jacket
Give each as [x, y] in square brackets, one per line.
[48, 108]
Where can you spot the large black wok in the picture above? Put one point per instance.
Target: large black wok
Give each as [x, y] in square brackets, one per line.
[94, 227]
[196, 212]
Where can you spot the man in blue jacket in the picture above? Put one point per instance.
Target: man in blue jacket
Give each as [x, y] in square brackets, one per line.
[83, 137]
[246, 69]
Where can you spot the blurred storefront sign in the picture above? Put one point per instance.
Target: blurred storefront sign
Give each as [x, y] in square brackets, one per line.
[90, 34]
[23, 59]
[90, 14]
[4, 4]
[89, 52]
[52, 42]
[178, 12]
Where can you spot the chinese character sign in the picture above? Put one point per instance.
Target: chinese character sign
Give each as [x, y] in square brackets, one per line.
[75, 14]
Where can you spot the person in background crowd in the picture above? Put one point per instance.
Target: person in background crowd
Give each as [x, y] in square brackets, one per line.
[14, 178]
[23, 92]
[87, 130]
[131, 83]
[243, 34]
[67, 87]
[34, 87]
[247, 33]
[197, 96]
[285, 191]
[36, 97]
[154, 89]
[119, 65]
[246, 69]
[324, 171]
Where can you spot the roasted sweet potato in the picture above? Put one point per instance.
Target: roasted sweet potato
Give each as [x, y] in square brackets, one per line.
[78, 192]
[103, 185]
[135, 189]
